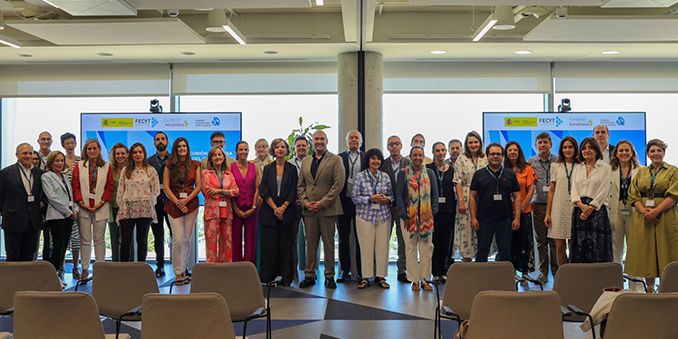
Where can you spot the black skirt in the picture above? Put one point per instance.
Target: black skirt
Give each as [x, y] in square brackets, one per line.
[591, 240]
[522, 247]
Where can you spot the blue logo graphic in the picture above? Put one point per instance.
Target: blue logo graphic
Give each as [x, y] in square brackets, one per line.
[558, 121]
[216, 122]
[154, 122]
[620, 121]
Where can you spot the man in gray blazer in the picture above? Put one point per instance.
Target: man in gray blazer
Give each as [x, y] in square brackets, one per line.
[321, 181]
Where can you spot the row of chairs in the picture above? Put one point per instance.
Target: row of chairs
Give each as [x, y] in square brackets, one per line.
[75, 315]
[577, 287]
[119, 288]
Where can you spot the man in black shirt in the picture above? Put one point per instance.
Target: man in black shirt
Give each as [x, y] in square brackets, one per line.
[158, 161]
[494, 205]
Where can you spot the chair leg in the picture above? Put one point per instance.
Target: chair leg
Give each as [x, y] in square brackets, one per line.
[118, 322]
[269, 330]
[244, 330]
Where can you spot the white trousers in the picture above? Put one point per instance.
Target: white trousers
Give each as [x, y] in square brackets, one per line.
[418, 253]
[622, 226]
[91, 229]
[182, 231]
[373, 239]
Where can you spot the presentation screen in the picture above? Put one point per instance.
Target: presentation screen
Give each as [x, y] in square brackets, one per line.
[523, 127]
[129, 128]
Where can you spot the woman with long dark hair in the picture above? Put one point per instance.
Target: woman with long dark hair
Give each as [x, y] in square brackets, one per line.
[245, 207]
[522, 247]
[182, 182]
[138, 188]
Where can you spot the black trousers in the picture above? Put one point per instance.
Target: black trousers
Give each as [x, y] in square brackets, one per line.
[46, 243]
[21, 246]
[443, 231]
[158, 229]
[501, 230]
[126, 230]
[60, 231]
[114, 230]
[277, 246]
[346, 224]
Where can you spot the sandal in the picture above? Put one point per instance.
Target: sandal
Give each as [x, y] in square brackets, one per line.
[415, 286]
[363, 284]
[426, 286]
[383, 284]
[76, 273]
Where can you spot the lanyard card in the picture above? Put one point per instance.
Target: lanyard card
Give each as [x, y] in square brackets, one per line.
[497, 197]
[31, 198]
[183, 195]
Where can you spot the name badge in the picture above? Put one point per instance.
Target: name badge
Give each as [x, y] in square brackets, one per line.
[546, 189]
[649, 203]
[625, 212]
[70, 204]
[91, 196]
[374, 206]
[31, 198]
[442, 200]
[223, 204]
[497, 197]
[183, 195]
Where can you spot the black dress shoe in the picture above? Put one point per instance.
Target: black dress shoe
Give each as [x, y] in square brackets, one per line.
[307, 282]
[329, 283]
[402, 277]
[344, 277]
[159, 272]
[187, 272]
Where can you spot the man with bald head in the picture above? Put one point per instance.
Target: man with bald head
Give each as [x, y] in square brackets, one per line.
[353, 160]
[20, 198]
[321, 181]
[44, 142]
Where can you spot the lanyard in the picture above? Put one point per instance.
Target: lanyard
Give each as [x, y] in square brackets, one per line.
[547, 170]
[220, 176]
[568, 174]
[66, 187]
[624, 181]
[496, 178]
[93, 173]
[29, 178]
[374, 181]
[440, 176]
[475, 164]
[352, 163]
[652, 179]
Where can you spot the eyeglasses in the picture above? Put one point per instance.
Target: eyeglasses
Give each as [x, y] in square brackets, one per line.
[391, 144]
[495, 155]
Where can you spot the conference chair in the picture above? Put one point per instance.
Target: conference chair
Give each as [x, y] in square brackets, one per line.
[669, 278]
[238, 283]
[197, 315]
[25, 276]
[464, 282]
[57, 315]
[525, 315]
[119, 288]
[638, 315]
[580, 286]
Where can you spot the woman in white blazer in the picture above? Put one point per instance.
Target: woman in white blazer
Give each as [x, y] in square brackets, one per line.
[624, 165]
[61, 211]
[92, 190]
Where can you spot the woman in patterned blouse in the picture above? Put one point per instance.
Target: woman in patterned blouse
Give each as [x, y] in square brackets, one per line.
[138, 188]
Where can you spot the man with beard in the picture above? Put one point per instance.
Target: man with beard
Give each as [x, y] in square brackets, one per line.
[158, 161]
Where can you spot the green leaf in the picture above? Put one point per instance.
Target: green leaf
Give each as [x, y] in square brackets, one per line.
[301, 120]
[321, 127]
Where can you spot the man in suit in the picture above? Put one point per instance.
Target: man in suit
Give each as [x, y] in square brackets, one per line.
[602, 135]
[353, 160]
[320, 184]
[158, 161]
[20, 198]
[393, 166]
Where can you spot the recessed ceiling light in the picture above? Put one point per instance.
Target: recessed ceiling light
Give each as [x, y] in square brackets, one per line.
[610, 52]
[270, 52]
[26, 55]
[438, 52]
[104, 54]
[188, 53]
[525, 52]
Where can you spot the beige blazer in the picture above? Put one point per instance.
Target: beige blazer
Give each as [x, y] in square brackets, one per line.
[325, 188]
[614, 195]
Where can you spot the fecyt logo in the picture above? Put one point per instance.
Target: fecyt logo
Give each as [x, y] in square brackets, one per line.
[558, 121]
[620, 121]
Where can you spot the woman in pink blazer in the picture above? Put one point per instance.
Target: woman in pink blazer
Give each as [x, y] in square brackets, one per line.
[218, 187]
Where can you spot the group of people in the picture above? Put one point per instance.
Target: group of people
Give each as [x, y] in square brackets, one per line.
[274, 212]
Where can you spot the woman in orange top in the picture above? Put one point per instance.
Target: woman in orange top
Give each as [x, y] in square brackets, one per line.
[218, 187]
[522, 248]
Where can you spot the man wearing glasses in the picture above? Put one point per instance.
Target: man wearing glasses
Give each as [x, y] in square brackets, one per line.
[217, 139]
[494, 205]
[393, 166]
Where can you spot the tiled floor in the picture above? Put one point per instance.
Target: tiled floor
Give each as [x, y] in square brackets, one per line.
[346, 312]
